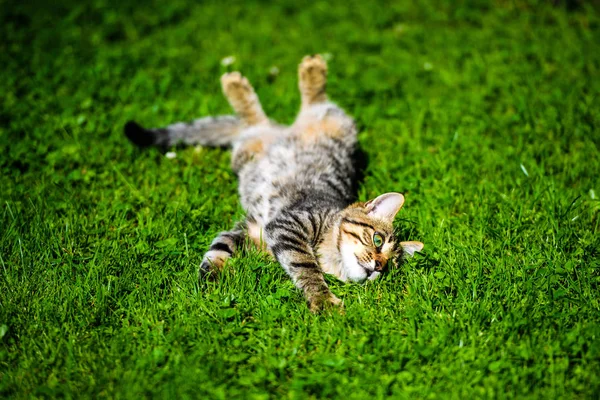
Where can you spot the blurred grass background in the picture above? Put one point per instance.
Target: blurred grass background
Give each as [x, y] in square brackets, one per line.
[484, 113]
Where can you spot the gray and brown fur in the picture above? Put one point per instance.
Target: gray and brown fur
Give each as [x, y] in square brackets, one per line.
[296, 185]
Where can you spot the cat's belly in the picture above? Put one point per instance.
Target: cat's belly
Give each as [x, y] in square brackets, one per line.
[265, 183]
[282, 176]
[262, 201]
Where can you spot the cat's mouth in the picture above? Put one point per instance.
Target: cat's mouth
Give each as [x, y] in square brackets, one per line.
[354, 268]
[372, 274]
[369, 271]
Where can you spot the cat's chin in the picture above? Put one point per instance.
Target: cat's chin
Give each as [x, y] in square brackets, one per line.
[352, 270]
[358, 279]
[367, 276]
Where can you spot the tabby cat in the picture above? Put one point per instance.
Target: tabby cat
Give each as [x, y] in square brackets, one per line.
[296, 185]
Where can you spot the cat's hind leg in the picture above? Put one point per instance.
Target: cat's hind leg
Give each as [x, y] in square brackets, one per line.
[320, 118]
[221, 249]
[242, 98]
[259, 131]
[312, 80]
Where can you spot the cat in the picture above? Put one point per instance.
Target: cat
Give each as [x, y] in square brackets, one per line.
[296, 185]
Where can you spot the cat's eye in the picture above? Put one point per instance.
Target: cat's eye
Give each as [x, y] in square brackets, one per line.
[377, 239]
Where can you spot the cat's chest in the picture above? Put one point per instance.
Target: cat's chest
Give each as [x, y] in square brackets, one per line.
[269, 184]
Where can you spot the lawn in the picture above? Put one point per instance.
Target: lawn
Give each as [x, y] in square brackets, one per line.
[486, 115]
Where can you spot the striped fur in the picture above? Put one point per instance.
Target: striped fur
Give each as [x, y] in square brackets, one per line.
[209, 131]
[296, 185]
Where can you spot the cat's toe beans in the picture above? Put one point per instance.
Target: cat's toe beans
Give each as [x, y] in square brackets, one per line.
[236, 85]
[235, 75]
[312, 57]
[313, 64]
[232, 78]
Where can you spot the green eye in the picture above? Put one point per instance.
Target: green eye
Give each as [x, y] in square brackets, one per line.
[377, 239]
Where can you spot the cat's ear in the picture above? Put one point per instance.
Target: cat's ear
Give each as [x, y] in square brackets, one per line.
[385, 206]
[409, 248]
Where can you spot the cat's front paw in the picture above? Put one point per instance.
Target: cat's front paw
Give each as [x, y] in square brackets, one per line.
[326, 301]
[207, 271]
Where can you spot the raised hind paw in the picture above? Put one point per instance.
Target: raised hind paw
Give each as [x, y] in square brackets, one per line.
[243, 99]
[312, 74]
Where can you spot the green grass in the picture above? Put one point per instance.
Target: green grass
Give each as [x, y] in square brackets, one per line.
[486, 115]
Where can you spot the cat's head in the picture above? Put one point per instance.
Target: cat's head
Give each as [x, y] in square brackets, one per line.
[366, 240]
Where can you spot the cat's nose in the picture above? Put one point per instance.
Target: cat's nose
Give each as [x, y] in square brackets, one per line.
[378, 265]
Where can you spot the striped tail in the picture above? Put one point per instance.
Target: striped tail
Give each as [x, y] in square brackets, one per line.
[217, 131]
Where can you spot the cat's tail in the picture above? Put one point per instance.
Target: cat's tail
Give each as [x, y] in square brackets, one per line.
[217, 131]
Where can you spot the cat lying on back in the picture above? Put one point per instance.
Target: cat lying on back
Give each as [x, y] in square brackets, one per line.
[296, 186]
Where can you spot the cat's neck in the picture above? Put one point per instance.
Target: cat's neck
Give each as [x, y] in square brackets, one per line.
[328, 252]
